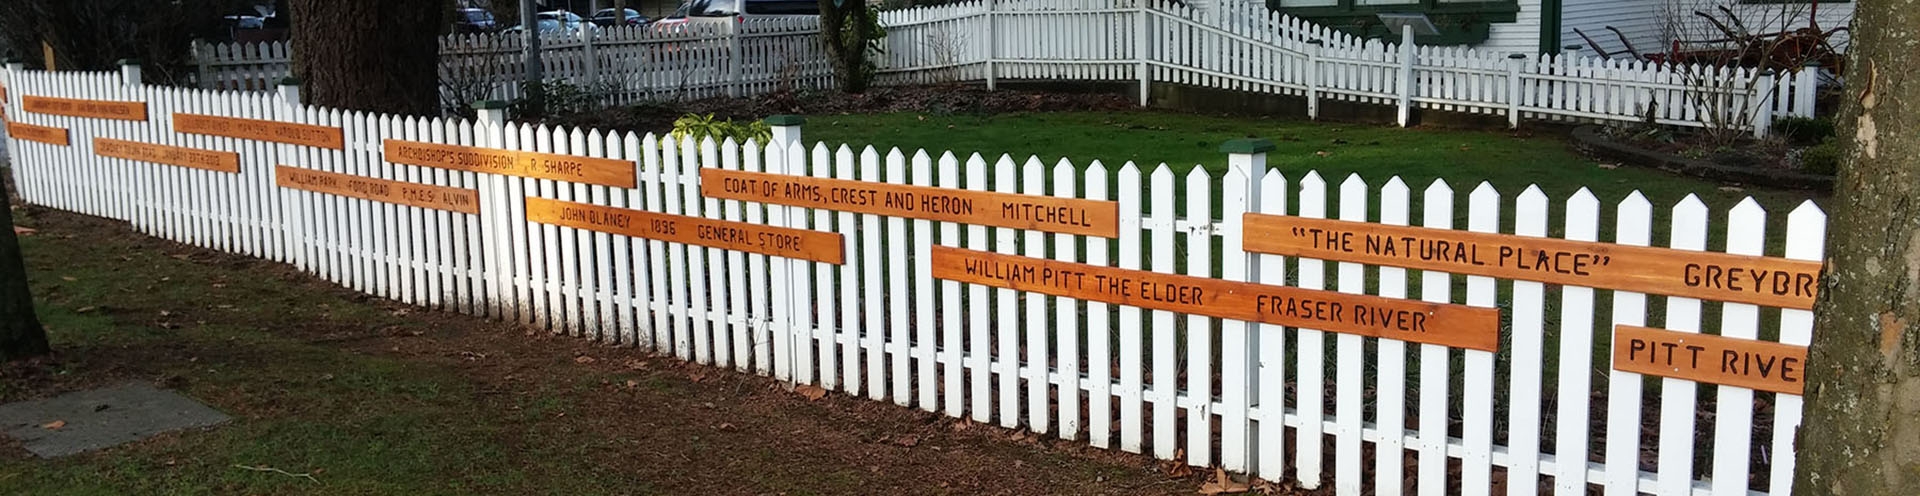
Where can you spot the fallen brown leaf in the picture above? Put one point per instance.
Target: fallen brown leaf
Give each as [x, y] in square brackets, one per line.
[811, 392]
[54, 425]
[583, 359]
[1222, 484]
[69, 278]
[23, 231]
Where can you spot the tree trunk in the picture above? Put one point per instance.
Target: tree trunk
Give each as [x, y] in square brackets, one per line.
[1860, 435]
[843, 30]
[373, 55]
[20, 333]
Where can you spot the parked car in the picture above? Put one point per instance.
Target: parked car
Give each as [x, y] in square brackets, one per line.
[556, 23]
[474, 21]
[606, 17]
[719, 11]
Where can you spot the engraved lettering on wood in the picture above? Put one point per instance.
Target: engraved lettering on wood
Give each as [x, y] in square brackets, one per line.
[1041, 213]
[169, 155]
[98, 109]
[1407, 320]
[739, 236]
[419, 195]
[1752, 364]
[588, 170]
[1766, 281]
[43, 134]
[260, 130]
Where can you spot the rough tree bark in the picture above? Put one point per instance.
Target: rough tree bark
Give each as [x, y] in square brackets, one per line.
[1861, 435]
[372, 55]
[20, 333]
[841, 23]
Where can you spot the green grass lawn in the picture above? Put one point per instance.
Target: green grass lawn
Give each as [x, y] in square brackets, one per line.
[1182, 141]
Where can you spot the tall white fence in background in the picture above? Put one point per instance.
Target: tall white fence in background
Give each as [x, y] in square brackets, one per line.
[1536, 412]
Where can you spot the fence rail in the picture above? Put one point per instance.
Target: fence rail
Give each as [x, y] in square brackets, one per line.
[628, 252]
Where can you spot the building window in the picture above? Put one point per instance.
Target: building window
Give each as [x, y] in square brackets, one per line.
[1461, 22]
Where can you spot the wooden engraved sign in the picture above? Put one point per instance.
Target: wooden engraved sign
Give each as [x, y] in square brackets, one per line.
[259, 130]
[170, 155]
[43, 134]
[1041, 213]
[1767, 281]
[739, 236]
[1407, 320]
[98, 109]
[465, 201]
[601, 171]
[1747, 363]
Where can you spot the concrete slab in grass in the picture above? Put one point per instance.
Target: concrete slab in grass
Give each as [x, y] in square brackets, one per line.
[101, 418]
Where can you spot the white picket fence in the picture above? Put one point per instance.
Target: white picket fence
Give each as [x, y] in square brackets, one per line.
[1253, 398]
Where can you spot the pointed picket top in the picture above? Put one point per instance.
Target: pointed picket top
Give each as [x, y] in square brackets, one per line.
[795, 161]
[869, 165]
[1313, 196]
[1806, 232]
[920, 168]
[1096, 168]
[1353, 199]
[1273, 175]
[669, 147]
[1034, 173]
[1199, 176]
[1394, 202]
[820, 148]
[1064, 178]
[1747, 217]
[1005, 174]
[1583, 216]
[1530, 212]
[1689, 231]
[976, 174]
[1437, 205]
[728, 142]
[1483, 208]
[894, 155]
[1161, 175]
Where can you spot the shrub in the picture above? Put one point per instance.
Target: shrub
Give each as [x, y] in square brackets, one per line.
[1803, 131]
[703, 126]
[1823, 158]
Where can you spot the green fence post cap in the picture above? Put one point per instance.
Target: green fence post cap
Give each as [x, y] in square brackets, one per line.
[785, 120]
[489, 104]
[129, 62]
[14, 60]
[290, 81]
[1247, 145]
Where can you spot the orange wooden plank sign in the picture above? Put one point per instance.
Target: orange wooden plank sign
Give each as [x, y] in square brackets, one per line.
[798, 244]
[1041, 213]
[260, 130]
[1407, 320]
[601, 171]
[43, 134]
[1747, 363]
[170, 155]
[98, 109]
[465, 201]
[1767, 281]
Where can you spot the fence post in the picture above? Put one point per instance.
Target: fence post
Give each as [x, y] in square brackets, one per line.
[1514, 62]
[733, 59]
[1246, 158]
[993, 51]
[1140, 48]
[490, 132]
[786, 129]
[592, 69]
[1406, 76]
[1314, 46]
[290, 90]
[130, 72]
[1806, 88]
[201, 54]
[1764, 92]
